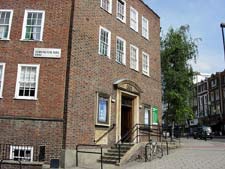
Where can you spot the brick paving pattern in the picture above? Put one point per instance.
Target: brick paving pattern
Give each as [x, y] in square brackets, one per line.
[194, 154]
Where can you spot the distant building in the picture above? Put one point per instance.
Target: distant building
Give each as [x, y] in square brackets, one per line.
[209, 102]
[198, 77]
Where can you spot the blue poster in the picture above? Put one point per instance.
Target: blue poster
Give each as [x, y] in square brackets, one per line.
[102, 112]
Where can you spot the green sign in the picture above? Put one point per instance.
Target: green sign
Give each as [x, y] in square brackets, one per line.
[155, 117]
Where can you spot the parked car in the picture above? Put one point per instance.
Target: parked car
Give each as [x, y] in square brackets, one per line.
[203, 132]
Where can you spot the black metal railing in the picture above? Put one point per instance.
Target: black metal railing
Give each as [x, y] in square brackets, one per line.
[88, 152]
[138, 131]
[106, 133]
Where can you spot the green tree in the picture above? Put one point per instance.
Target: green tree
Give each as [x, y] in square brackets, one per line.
[177, 50]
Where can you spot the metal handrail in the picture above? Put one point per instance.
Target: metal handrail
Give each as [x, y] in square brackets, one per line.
[107, 132]
[137, 128]
[89, 152]
[127, 134]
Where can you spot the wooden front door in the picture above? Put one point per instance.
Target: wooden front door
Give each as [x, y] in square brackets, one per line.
[126, 118]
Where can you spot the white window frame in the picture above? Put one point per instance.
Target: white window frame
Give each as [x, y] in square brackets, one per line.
[137, 57]
[213, 82]
[124, 50]
[110, 6]
[10, 22]
[143, 28]
[109, 42]
[13, 148]
[18, 79]
[2, 78]
[136, 26]
[125, 9]
[145, 72]
[217, 94]
[25, 23]
[148, 114]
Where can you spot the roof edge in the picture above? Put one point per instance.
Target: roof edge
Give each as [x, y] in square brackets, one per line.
[149, 8]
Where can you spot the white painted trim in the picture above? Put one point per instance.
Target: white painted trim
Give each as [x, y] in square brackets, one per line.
[137, 55]
[2, 79]
[25, 23]
[124, 49]
[149, 115]
[145, 19]
[135, 111]
[125, 12]
[133, 9]
[148, 62]
[109, 111]
[109, 41]
[110, 7]
[12, 148]
[10, 22]
[41, 53]
[18, 78]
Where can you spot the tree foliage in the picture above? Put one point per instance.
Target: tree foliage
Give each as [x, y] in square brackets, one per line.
[177, 50]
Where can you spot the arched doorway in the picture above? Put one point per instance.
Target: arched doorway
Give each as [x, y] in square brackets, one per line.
[127, 107]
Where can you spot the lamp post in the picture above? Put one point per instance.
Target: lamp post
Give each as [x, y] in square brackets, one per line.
[222, 25]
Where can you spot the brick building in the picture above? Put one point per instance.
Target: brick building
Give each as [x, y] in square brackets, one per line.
[209, 102]
[69, 70]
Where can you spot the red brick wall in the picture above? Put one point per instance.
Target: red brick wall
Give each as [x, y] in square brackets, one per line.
[91, 72]
[17, 166]
[33, 133]
[51, 85]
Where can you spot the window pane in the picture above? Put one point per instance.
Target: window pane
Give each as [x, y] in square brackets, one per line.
[33, 26]
[16, 153]
[21, 153]
[104, 43]
[120, 51]
[27, 83]
[133, 19]
[1, 68]
[145, 64]
[106, 4]
[4, 24]
[133, 58]
[145, 27]
[121, 9]
[103, 110]
[146, 117]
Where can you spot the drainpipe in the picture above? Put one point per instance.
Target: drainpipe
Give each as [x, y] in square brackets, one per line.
[69, 54]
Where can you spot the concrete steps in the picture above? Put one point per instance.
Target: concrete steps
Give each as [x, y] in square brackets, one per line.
[112, 155]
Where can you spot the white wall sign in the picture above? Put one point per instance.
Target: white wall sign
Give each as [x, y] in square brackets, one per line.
[47, 52]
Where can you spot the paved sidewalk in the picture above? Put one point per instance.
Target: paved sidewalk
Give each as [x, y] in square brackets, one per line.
[194, 154]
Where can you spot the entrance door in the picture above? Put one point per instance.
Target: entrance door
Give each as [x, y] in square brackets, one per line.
[126, 117]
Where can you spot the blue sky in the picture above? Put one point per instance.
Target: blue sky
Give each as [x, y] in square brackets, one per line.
[204, 18]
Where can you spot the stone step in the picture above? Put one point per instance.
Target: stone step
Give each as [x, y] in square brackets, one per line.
[126, 148]
[107, 157]
[114, 153]
[108, 161]
[125, 145]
